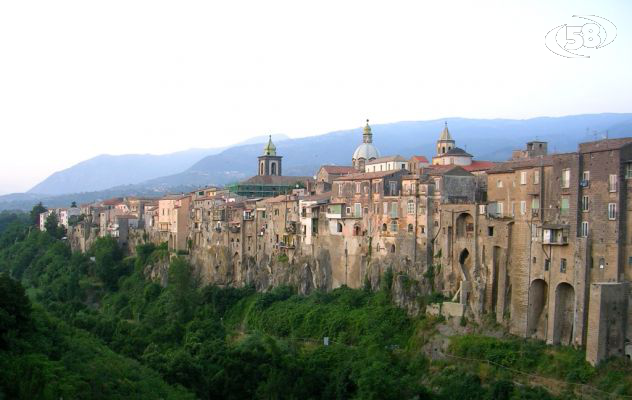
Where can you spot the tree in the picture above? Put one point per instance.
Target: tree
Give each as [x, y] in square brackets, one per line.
[52, 226]
[109, 265]
[35, 213]
[15, 307]
[73, 204]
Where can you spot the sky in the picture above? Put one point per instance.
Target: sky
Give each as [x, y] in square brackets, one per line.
[83, 78]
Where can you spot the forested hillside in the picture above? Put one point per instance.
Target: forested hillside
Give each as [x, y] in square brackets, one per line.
[76, 327]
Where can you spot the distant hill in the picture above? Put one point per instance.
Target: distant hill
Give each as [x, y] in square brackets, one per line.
[486, 139]
[107, 171]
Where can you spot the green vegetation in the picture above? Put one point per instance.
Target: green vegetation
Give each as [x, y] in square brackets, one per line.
[100, 329]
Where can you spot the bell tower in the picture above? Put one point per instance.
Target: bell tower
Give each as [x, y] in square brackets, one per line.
[269, 162]
[445, 142]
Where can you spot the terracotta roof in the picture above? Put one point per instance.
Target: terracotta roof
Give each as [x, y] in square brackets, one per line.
[317, 197]
[479, 166]
[420, 158]
[366, 175]
[112, 202]
[338, 169]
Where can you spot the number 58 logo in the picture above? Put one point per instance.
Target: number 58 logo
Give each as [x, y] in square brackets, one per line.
[563, 40]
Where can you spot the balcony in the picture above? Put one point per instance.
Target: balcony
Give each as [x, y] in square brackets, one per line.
[555, 234]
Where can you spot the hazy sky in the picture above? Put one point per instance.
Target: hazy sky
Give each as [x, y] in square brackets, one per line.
[82, 78]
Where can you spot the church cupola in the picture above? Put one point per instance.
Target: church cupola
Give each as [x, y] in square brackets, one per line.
[445, 142]
[269, 162]
[366, 151]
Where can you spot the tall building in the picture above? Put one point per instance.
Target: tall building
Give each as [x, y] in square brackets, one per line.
[366, 151]
[269, 180]
[269, 162]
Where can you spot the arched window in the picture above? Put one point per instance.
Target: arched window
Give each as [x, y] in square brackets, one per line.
[392, 248]
[394, 226]
[273, 169]
[410, 227]
[261, 169]
[339, 227]
[384, 228]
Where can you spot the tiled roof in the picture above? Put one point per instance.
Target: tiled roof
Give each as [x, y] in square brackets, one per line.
[479, 166]
[420, 159]
[366, 175]
[338, 169]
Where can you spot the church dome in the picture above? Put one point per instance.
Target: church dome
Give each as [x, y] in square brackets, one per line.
[270, 149]
[366, 151]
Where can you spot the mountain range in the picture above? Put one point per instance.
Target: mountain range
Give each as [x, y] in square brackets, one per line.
[486, 139]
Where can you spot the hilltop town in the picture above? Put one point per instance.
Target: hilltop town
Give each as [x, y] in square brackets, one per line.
[541, 242]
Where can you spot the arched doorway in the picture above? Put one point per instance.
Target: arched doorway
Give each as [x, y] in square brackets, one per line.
[537, 316]
[564, 322]
[464, 225]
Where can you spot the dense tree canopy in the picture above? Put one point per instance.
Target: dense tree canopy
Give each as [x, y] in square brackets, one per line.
[99, 329]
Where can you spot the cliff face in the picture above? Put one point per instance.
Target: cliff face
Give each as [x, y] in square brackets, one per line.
[214, 265]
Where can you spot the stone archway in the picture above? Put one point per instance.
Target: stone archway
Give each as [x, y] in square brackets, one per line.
[537, 315]
[564, 321]
[464, 225]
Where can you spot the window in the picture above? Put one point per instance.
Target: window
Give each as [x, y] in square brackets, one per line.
[499, 183]
[410, 207]
[394, 210]
[523, 207]
[500, 208]
[564, 205]
[348, 210]
[566, 178]
[385, 208]
[393, 226]
[586, 176]
[340, 189]
[629, 260]
[523, 177]
[357, 212]
[585, 203]
[612, 183]
[490, 231]
[612, 211]
[339, 227]
[536, 177]
[384, 228]
[482, 208]
[602, 263]
[628, 171]
[410, 227]
[535, 203]
[584, 229]
[358, 187]
[422, 228]
[563, 265]
[535, 233]
[392, 186]
[547, 264]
